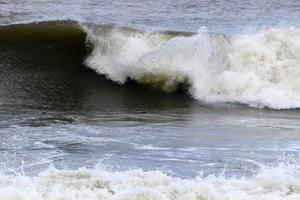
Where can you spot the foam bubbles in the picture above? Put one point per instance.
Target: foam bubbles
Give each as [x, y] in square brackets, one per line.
[137, 184]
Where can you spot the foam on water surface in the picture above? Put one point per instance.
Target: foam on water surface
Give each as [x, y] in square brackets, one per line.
[137, 184]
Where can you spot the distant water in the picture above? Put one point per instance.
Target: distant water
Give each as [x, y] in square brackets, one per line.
[149, 100]
[232, 16]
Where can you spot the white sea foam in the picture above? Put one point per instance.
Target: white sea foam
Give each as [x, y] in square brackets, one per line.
[261, 70]
[277, 183]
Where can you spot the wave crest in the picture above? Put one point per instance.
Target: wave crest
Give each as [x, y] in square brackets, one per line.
[260, 70]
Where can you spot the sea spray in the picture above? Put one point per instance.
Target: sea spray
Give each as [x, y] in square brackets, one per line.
[261, 70]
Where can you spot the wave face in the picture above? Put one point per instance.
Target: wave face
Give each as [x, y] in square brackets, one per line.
[52, 33]
[137, 184]
[260, 70]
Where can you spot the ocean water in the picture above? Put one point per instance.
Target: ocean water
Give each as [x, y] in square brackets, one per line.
[149, 100]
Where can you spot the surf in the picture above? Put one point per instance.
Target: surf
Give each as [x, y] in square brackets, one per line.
[138, 184]
[260, 70]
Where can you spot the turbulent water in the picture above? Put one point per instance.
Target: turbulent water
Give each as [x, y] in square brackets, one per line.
[149, 100]
[261, 70]
[136, 184]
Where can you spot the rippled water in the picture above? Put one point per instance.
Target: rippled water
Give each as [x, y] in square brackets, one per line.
[219, 16]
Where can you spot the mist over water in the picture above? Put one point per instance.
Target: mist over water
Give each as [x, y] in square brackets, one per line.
[149, 100]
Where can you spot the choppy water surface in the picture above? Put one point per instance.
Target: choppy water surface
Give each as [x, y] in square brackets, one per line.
[149, 100]
[188, 15]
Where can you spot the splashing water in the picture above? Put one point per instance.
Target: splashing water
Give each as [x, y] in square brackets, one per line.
[261, 70]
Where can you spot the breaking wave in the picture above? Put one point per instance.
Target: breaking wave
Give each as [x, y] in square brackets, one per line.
[137, 184]
[260, 70]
